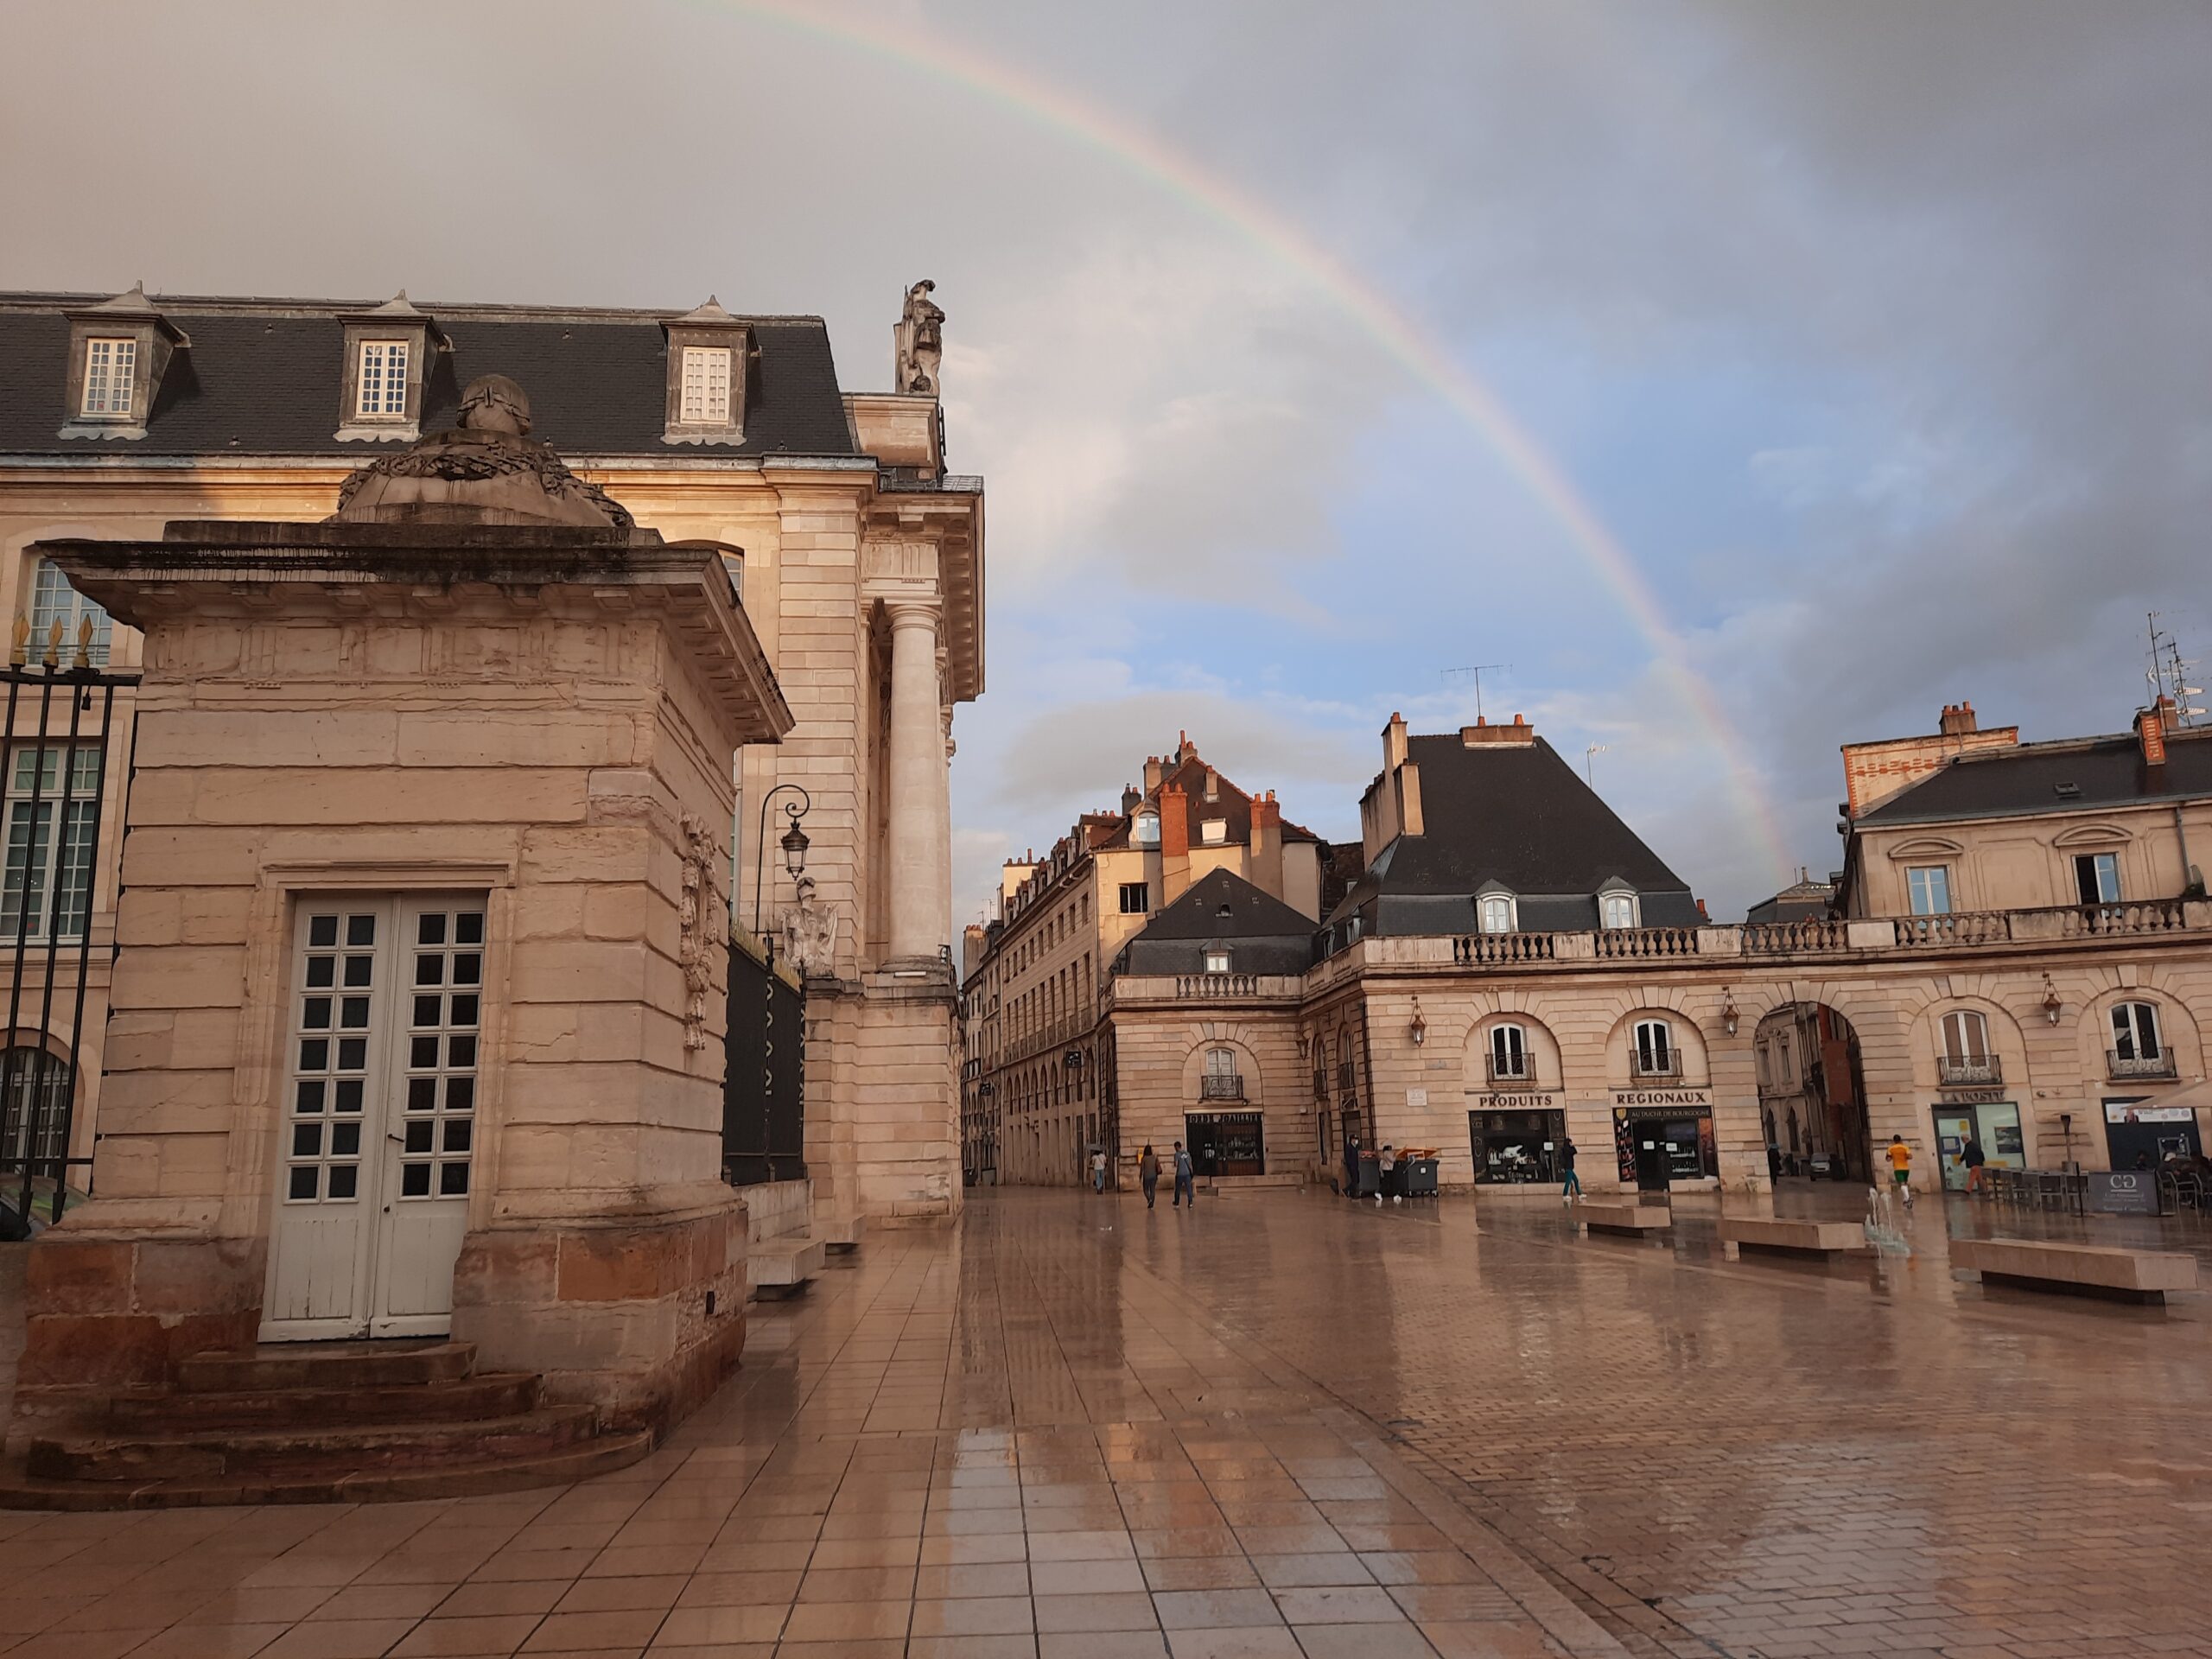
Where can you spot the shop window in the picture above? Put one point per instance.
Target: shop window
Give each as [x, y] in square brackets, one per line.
[2096, 878]
[1927, 887]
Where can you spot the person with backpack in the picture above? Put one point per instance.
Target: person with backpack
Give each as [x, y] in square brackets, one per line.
[1185, 1188]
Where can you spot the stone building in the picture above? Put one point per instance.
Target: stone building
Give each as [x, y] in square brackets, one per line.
[1036, 1090]
[858, 553]
[2023, 955]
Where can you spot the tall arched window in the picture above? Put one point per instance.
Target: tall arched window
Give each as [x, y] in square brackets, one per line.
[1508, 1053]
[2137, 1050]
[1654, 1054]
[1496, 913]
[1221, 1081]
[1966, 1037]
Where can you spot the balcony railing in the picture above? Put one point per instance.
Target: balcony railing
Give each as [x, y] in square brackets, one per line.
[1198, 987]
[1811, 937]
[2062, 922]
[2140, 1065]
[1959, 1073]
[1667, 1064]
[1505, 947]
[1508, 1069]
[1221, 1085]
[1642, 942]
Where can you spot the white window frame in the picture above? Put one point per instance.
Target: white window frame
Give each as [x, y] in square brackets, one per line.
[703, 387]
[2135, 1033]
[53, 599]
[1509, 1050]
[1217, 960]
[1213, 832]
[2102, 864]
[1146, 830]
[1631, 910]
[380, 368]
[1654, 1047]
[110, 377]
[1142, 892]
[1221, 1061]
[1925, 885]
[1964, 1034]
[27, 841]
[1489, 918]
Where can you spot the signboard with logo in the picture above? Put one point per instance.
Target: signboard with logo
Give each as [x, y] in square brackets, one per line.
[2124, 1191]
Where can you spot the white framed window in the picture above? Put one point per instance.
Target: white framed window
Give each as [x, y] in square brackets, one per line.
[1656, 1055]
[45, 891]
[380, 386]
[53, 600]
[2135, 1032]
[1620, 909]
[1927, 887]
[2096, 878]
[1136, 897]
[1214, 832]
[1509, 1052]
[1966, 1038]
[1146, 831]
[705, 399]
[111, 373]
[1497, 913]
[1216, 962]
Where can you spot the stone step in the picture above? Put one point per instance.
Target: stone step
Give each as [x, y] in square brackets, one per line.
[382, 1363]
[20, 1489]
[494, 1395]
[306, 1453]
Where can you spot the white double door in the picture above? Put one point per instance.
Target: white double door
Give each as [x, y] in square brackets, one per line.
[378, 1138]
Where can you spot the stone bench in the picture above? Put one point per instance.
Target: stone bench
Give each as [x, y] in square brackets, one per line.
[1783, 1236]
[2076, 1269]
[781, 1266]
[839, 1233]
[1623, 1220]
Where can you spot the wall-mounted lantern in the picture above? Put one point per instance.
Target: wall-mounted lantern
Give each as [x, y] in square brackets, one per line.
[2050, 1002]
[1419, 1029]
[1729, 1014]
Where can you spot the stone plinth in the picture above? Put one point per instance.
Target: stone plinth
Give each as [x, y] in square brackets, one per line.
[1625, 1220]
[1786, 1236]
[520, 729]
[2076, 1269]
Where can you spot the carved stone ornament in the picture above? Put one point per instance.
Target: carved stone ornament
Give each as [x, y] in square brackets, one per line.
[702, 914]
[810, 930]
[486, 471]
[920, 337]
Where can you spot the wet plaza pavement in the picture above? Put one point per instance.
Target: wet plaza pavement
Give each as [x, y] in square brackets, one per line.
[1284, 1424]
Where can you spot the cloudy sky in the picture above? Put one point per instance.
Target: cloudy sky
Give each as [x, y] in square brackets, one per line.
[1744, 379]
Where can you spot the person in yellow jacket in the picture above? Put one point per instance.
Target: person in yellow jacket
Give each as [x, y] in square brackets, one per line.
[1900, 1156]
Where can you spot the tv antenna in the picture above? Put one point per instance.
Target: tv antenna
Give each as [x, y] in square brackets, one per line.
[2169, 672]
[1589, 754]
[1476, 670]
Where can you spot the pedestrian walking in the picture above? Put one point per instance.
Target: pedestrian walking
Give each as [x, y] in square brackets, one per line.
[1900, 1156]
[1184, 1188]
[1148, 1174]
[1098, 1169]
[1973, 1158]
[1571, 1188]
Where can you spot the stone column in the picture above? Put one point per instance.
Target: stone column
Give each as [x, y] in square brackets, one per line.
[921, 807]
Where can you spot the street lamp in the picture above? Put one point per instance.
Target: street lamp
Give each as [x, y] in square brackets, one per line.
[1729, 1015]
[2050, 1003]
[1419, 1029]
[793, 842]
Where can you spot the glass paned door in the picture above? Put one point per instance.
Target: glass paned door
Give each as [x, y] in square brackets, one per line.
[377, 1137]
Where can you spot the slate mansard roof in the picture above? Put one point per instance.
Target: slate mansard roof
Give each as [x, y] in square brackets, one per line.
[263, 378]
[1511, 817]
[2095, 774]
[1262, 934]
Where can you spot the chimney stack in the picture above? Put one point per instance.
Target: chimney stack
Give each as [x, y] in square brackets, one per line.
[1174, 843]
[1131, 799]
[2151, 727]
[1153, 773]
[1393, 743]
[1266, 872]
[1958, 719]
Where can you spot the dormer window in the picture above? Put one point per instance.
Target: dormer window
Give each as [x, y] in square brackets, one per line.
[1617, 909]
[109, 368]
[388, 353]
[380, 381]
[707, 351]
[1147, 833]
[706, 386]
[119, 350]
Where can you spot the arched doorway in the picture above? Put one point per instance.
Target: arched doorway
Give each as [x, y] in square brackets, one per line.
[1811, 1093]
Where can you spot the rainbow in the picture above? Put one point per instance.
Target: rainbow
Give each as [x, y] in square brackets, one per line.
[1424, 356]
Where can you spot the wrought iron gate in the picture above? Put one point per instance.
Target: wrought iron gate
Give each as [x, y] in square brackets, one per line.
[764, 1075]
[57, 770]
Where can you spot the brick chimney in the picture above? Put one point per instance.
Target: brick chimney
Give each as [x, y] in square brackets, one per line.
[1266, 872]
[1958, 719]
[1174, 843]
[1154, 771]
[2151, 727]
[1393, 743]
[1132, 799]
[1482, 734]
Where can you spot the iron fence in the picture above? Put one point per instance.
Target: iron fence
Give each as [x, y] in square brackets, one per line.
[763, 1076]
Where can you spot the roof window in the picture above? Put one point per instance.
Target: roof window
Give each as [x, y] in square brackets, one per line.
[709, 353]
[118, 352]
[389, 353]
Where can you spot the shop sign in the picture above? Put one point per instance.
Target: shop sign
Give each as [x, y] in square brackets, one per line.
[1700, 1098]
[1978, 1096]
[1522, 1101]
[2123, 1193]
[2129, 1111]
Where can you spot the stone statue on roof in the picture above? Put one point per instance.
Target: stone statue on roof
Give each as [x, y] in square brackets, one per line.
[920, 341]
